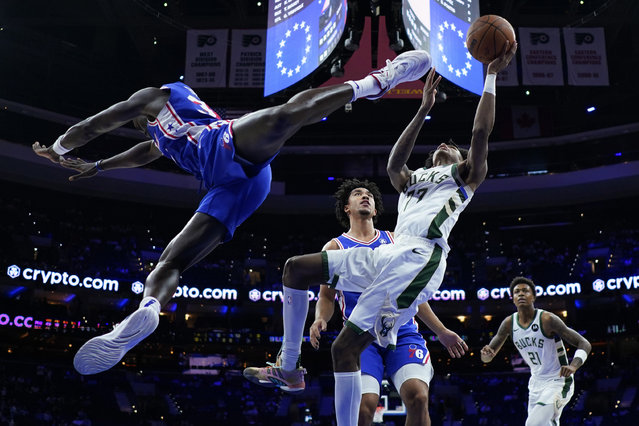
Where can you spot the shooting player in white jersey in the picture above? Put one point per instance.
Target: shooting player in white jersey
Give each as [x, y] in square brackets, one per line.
[358, 204]
[409, 367]
[396, 278]
[538, 336]
[232, 159]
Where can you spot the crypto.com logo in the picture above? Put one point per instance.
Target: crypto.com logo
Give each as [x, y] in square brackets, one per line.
[483, 294]
[255, 295]
[598, 285]
[137, 287]
[13, 271]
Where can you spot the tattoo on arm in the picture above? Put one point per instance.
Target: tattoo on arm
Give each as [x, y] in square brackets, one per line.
[502, 334]
[567, 334]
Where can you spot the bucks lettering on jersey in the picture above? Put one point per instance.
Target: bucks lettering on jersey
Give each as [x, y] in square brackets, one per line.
[544, 354]
[431, 203]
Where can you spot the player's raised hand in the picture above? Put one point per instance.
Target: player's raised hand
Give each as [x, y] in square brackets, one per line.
[502, 61]
[86, 170]
[315, 332]
[430, 89]
[45, 152]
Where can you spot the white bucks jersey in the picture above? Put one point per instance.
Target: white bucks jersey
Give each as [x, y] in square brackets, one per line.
[544, 354]
[431, 203]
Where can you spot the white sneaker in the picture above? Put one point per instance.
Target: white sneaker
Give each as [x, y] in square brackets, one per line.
[103, 352]
[408, 66]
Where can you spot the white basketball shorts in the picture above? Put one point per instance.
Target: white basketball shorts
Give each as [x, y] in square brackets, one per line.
[393, 279]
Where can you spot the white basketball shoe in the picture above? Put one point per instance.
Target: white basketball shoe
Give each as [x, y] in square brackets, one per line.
[409, 66]
[103, 352]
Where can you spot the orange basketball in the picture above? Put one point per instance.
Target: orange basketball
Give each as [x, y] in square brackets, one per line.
[487, 37]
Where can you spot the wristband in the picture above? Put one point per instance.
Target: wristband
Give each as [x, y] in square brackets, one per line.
[98, 166]
[489, 85]
[58, 148]
[581, 354]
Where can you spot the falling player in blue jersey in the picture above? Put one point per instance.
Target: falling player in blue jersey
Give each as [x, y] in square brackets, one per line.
[409, 367]
[231, 158]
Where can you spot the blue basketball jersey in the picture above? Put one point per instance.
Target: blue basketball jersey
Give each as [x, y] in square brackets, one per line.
[348, 299]
[181, 126]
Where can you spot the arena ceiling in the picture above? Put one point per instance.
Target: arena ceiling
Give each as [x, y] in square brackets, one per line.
[71, 56]
[76, 57]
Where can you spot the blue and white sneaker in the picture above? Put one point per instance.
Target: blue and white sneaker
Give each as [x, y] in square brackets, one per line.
[103, 352]
[409, 66]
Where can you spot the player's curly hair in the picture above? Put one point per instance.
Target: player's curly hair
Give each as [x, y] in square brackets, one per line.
[522, 280]
[462, 151]
[344, 192]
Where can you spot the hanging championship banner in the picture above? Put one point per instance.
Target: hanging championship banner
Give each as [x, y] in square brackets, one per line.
[248, 49]
[206, 58]
[508, 76]
[541, 56]
[586, 56]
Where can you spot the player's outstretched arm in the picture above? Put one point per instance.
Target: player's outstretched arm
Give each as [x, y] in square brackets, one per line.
[474, 169]
[452, 342]
[139, 155]
[554, 325]
[140, 103]
[489, 351]
[396, 168]
[325, 306]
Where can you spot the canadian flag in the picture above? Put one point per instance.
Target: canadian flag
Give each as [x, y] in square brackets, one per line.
[525, 122]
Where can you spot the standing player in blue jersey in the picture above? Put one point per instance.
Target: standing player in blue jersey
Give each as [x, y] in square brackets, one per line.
[409, 366]
[231, 158]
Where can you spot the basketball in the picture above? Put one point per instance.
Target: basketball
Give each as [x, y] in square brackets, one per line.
[487, 36]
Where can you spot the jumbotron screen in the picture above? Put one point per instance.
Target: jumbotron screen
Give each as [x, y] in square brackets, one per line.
[301, 34]
[440, 27]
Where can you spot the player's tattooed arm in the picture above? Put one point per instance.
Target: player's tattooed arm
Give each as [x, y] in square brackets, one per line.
[554, 325]
[398, 172]
[489, 351]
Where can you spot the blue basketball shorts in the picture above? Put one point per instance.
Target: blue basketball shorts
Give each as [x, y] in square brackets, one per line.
[236, 187]
[410, 349]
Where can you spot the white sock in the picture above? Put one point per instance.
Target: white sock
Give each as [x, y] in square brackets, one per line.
[367, 86]
[294, 310]
[348, 396]
[151, 302]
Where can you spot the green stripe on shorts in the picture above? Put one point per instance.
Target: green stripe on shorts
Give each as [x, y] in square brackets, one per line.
[411, 292]
[325, 266]
[355, 328]
[566, 388]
